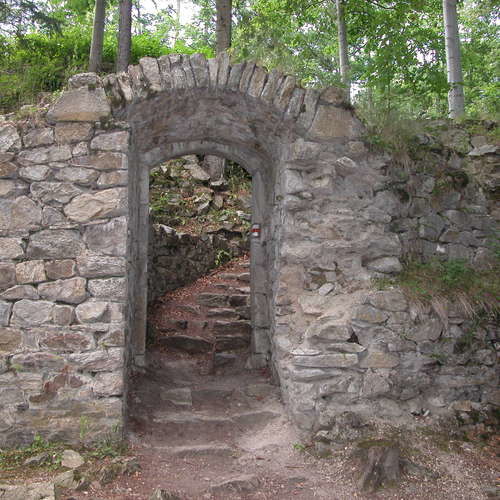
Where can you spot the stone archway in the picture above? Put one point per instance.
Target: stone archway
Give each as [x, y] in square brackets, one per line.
[321, 197]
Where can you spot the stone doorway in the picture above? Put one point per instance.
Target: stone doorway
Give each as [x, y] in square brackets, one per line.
[200, 292]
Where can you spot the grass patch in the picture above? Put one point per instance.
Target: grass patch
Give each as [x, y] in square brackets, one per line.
[14, 458]
[439, 284]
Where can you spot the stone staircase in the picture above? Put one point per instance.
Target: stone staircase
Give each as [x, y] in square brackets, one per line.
[210, 317]
[196, 403]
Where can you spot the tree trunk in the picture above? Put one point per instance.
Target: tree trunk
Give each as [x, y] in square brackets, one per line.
[95, 58]
[224, 9]
[178, 21]
[223, 29]
[124, 35]
[456, 104]
[344, 58]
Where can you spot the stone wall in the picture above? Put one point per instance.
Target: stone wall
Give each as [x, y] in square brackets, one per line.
[329, 209]
[177, 259]
[448, 197]
[63, 230]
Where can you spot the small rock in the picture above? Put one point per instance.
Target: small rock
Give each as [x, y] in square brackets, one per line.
[37, 460]
[326, 289]
[66, 480]
[239, 484]
[160, 494]
[71, 459]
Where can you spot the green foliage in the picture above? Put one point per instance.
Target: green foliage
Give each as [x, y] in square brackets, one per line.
[222, 257]
[108, 447]
[14, 458]
[452, 281]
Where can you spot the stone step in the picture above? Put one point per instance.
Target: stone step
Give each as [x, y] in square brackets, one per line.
[223, 313]
[189, 344]
[241, 327]
[180, 396]
[173, 325]
[231, 342]
[211, 397]
[239, 300]
[253, 419]
[201, 450]
[212, 299]
[190, 429]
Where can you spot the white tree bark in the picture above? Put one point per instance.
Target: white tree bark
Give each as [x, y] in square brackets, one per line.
[456, 103]
[343, 54]
[124, 35]
[95, 58]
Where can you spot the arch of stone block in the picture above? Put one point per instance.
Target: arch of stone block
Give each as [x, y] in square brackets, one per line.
[77, 322]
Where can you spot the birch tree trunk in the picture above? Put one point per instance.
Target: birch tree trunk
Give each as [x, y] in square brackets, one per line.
[224, 9]
[124, 35]
[343, 55]
[178, 21]
[456, 104]
[95, 58]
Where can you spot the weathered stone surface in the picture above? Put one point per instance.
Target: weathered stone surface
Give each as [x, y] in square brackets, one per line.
[190, 344]
[25, 214]
[326, 331]
[44, 155]
[55, 244]
[72, 132]
[57, 269]
[389, 300]
[151, 72]
[212, 300]
[34, 361]
[10, 248]
[39, 137]
[7, 188]
[5, 308]
[111, 179]
[10, 339]
[377, 359]
[60, 340]
[110, 288]
[72, 291]
[91, 312]
[337, 360]
[62, 315]
[78, 175]
[62, 192]
[103, 161]
[32, 491]
[386, 265]
[6, 169]
[32, 271]
[107, 203]
[9, 137]
[108, 384]
[369, 314]
[80, 105]
[113, 141]
[7, 275]
[34, 173]
[98, 361]
[18, 292]
[31, 312]
[109, 238]
[98, 266]
[331, 122]
[71, 459]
